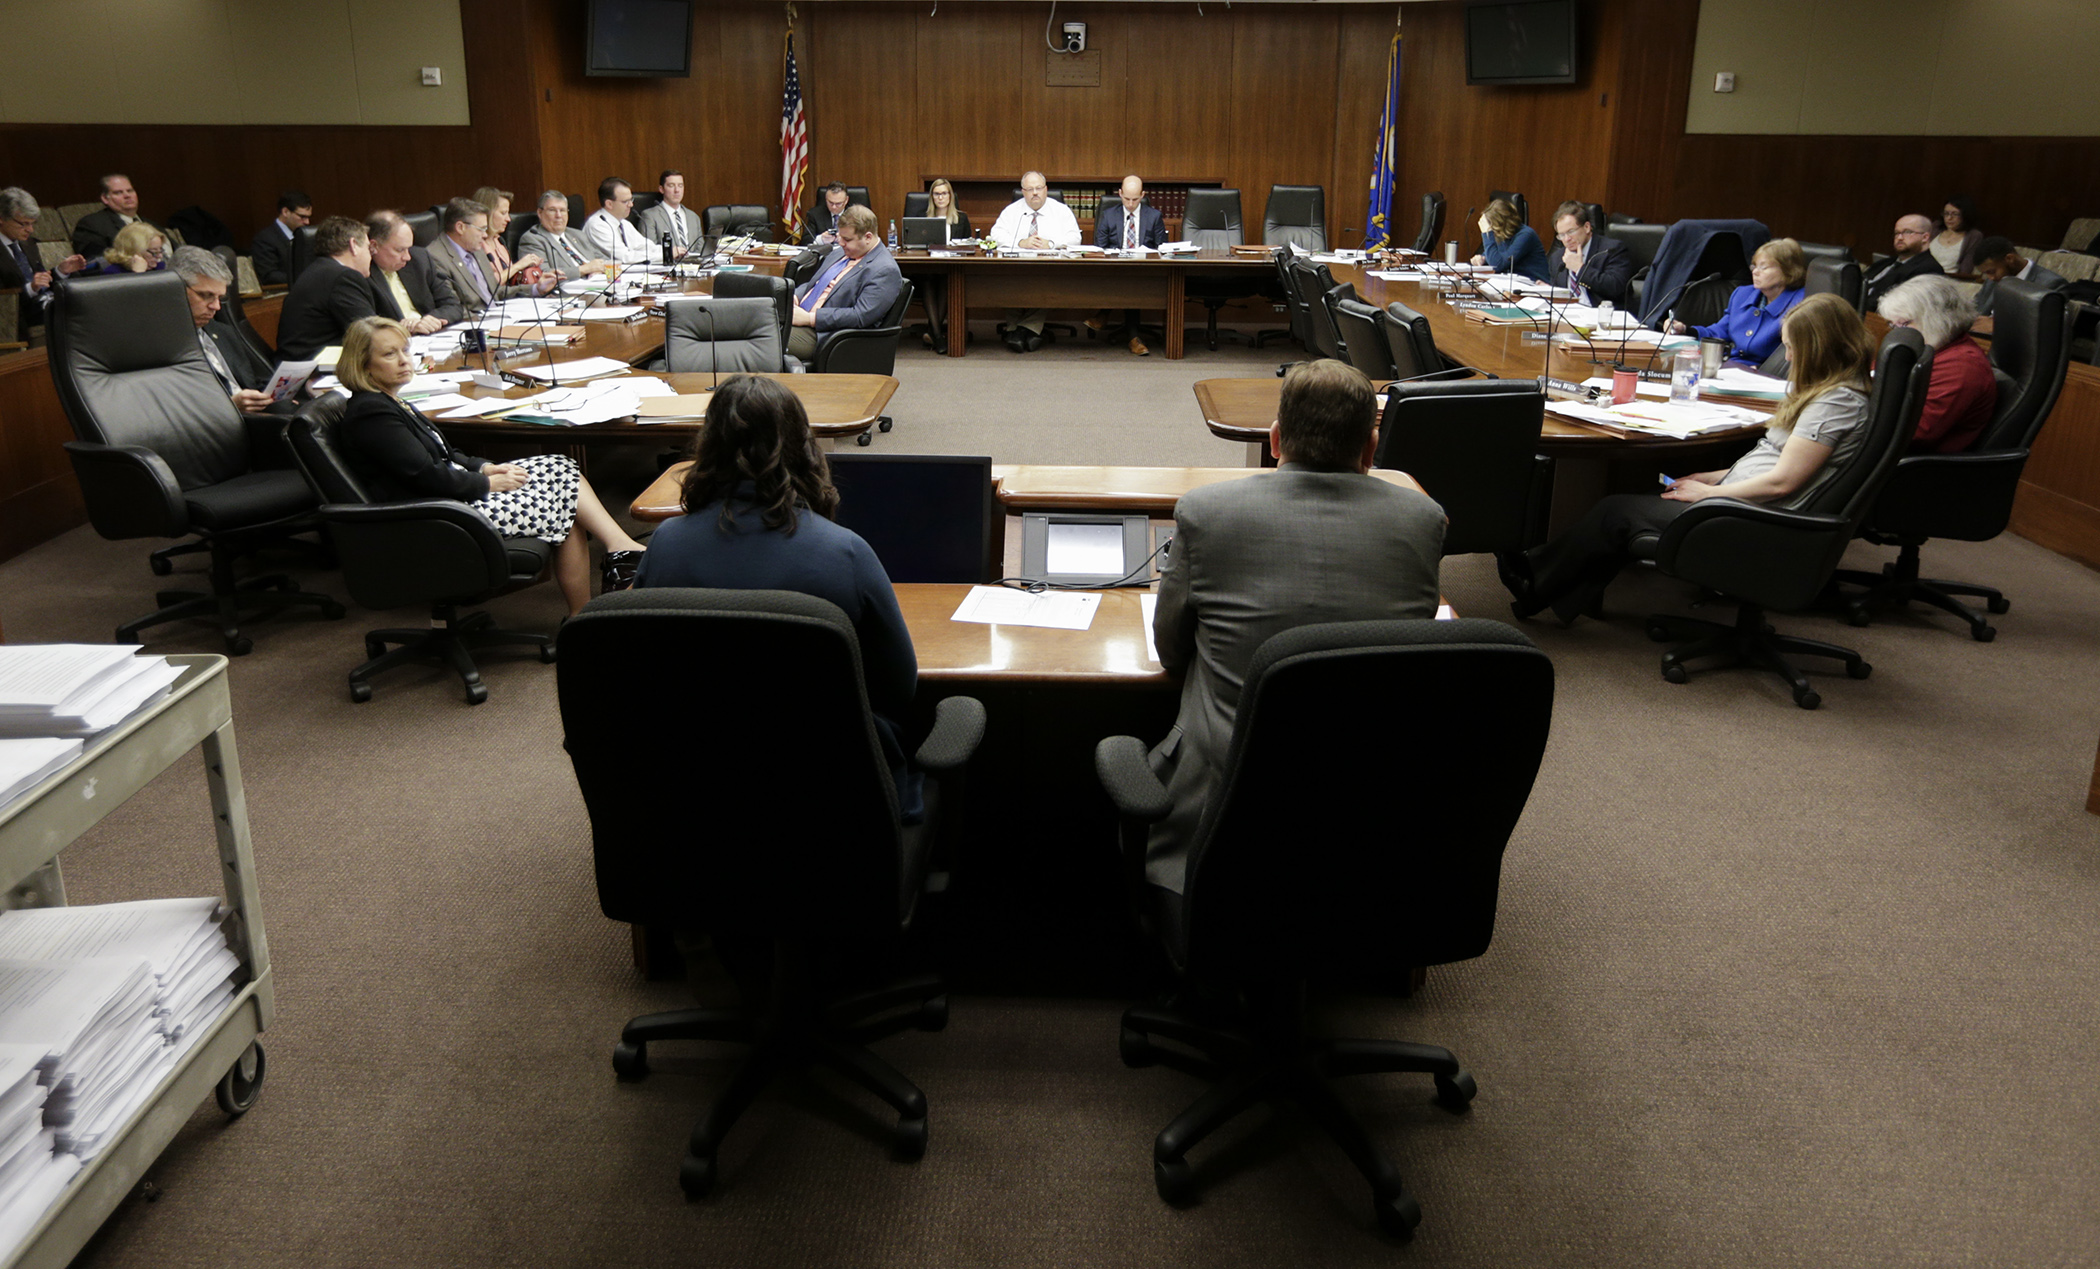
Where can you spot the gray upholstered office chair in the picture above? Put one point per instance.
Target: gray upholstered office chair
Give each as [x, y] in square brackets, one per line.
[1473, 445]
[429, 553]
[1762, 558]
[1432, 222]
[768, 286]
[1301, 873]
[1212, 222]
[703, 334]
[1296, 214]
[798, 892]
[1968, 497]
[162, 452]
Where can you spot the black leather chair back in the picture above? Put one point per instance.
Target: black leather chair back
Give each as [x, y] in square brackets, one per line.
[644, 199]
[1363, 337]
[725, 220]
[301, 254]
[1293, 303]
[1212, 219]
[125, 361]
[1296, 214]
[918, 203]
[1840, 277]
[1523, 209]
[2031, 351]
[234, 311]
[867, 350]
[519, 223]
[716, 827]
[736, 286]
[1473, 445]
[1412, 343]
[1641, 241]
[1901, 373]
[1432, 222]
[424, 225]
[1301, 865]
[580, 209]
[744, 334]
[319, 449]
[1314, 281]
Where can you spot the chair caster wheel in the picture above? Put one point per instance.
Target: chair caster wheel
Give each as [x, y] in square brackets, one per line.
[1858, 669]
[1984, 634]
[547, 654]
[477, 693]
[333, 610]
[1175, 1181]
[160, 567]
[360, 692]
[908, 1140]
[239, 645]
[1135, 1048]
[1856, 615]
[1656, 634]
[696, 1175]
[631, 1061]
[1398, 1214]
[884, 424]
[864, 440]
[1675, 674]
[1455, 1093]
[933, 1015]
[374, 649]
[1807, 698]
[242, 1083]
[1997, 605]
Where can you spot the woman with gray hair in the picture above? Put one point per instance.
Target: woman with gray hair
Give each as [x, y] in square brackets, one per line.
[1963, 392]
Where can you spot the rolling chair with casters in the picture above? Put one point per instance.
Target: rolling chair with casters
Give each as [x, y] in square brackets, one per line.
[1313, 282]
[764, 864]
[1432, 222]
[1296, 214]
[703, 334]
[725, 220]
[1761, 557]
[1301, 872]
[1969, 496]
[1413, 345]
[1475, 443]
[163, 453]
[426, 552]
[1363, 336]
[1299, 324]
[1212, 222]
[870, 350]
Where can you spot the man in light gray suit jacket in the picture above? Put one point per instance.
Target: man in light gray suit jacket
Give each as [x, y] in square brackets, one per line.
[457, 255]
[672, 216]
[1316, 540]
[561, 249]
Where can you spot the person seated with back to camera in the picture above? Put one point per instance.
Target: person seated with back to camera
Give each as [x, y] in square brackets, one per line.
[399, 455]
[758, 515]
[1508, 245]
[1750, 324]
[1814, 436]
[1962, 393]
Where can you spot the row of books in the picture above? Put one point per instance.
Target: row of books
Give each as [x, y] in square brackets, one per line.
[1088, 204]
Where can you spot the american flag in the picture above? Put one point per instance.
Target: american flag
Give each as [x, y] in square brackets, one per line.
[794, 143]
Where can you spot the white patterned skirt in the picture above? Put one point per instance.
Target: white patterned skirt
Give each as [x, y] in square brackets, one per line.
[544, 507]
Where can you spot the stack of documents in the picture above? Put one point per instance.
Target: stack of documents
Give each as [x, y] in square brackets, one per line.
[31, 1173]
[184, 940]
[1658, 418]
[26, 760]
[571, 405]
[76, 689]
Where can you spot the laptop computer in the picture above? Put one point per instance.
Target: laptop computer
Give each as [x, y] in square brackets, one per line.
[925, 231]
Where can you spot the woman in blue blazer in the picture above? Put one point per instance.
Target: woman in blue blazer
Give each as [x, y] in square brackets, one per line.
[1508, 245]
[1750, 324]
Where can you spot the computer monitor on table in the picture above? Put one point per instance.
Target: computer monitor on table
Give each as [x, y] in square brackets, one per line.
[929, 517]
[925, 231]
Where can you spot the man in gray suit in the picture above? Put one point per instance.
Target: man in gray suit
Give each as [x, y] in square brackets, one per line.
[560, 248]
[463, 261]
[853, 289]
[1316, 540]
[671, 216]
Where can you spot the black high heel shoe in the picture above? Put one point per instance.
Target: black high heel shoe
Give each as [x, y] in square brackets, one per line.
[618, 570]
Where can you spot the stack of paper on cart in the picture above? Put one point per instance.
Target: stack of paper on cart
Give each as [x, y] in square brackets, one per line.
[76, 689]
[31, 1174]
[25, 761]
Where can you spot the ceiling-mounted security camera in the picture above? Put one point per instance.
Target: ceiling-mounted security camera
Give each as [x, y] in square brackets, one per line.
[1075, 37]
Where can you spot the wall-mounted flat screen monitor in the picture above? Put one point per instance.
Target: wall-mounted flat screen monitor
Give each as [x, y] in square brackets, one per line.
[1521, 42]
[640, 37]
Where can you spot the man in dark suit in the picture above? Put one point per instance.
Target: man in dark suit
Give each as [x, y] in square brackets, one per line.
[1129, 223]
[820, 228]
[1912, 259]
[853, 289]
[242, 369]
[97, 230]
[1598, 269]
[405, 283]
[272, 249]
[334, 291]
[1996, 260]
[1316, 540]
[21, 264]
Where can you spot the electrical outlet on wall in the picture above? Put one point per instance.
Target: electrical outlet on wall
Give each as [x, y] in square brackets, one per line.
[1724, 82]
[433, 77]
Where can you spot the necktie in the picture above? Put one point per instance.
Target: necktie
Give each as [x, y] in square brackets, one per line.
[678, 226]
[218, 363]
[1129, 230]
[23, 267]
[1031, 223]
[817, 297]
[481, 280]
[569, 247]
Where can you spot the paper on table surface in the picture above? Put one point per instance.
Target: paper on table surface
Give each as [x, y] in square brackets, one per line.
[581, 368]
[1050, 609]
[43, 675]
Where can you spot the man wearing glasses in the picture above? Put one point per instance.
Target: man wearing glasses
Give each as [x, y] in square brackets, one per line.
[272, 248]
[239, 368]
[1597, 269]
[19, 263]
[1911, 259]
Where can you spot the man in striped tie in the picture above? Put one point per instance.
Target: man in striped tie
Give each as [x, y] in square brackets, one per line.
[852, 290]
[1033, 222]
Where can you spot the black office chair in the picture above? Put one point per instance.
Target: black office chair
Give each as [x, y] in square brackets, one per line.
[301, 254]
[426, 226]
[1313, 282]
[755, 861]
[1298, 325]
[702, 334]
[1296, 214]
[738, 219]
[1722, 267]
[1363, 336]
[644, 199]
[1302, 872]
[1523, 208]
[1641, 243]
[1824, 250]
[1432, 222]
[1968, 497]
[918, 203]
[428, 552]
[867, 350]
[1762, 558]
[1413, 345]
[1617, 220]
[1840, 277]
[512, 232]
[163, 453]
[1473, 445]
[580, 209]
[234, 310]
[1212, 221]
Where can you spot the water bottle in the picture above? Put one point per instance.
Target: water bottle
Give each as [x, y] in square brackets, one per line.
[893, 235]
[667, 248]
[1684, 377]
[1604, 316]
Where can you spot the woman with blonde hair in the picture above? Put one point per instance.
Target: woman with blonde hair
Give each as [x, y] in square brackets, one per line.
[1508, 245]
[940, 201]
[1750, 324]
[399, 454]
[498, 203]
[1813, 437]
[138, 248]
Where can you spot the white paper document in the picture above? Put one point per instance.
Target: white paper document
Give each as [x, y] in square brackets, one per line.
[581, 368]
[25, 761]
[1663, 418]
[1051, 609]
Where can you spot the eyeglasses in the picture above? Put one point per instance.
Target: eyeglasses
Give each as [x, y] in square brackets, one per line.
[26, 222]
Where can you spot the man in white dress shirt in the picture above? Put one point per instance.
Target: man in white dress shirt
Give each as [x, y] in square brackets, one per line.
[608, 230]
[1033, 222]
[671, 216]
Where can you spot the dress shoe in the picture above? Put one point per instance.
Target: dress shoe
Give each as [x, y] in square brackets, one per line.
[1096, 325]
[618, 570]
[1137, 347]
[1515, 570]
[1033, 340]
[1015, 341]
